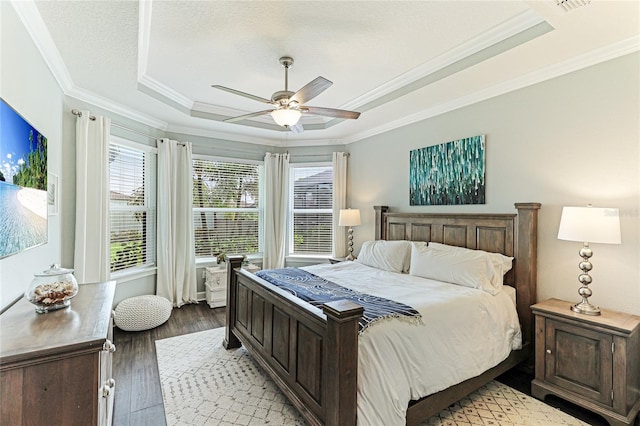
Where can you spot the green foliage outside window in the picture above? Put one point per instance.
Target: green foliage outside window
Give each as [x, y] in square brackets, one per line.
[128, 236]
[225, 185]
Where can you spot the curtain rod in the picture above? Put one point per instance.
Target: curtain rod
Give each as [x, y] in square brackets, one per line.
[161, 140]
[344, 154]
[93, 118]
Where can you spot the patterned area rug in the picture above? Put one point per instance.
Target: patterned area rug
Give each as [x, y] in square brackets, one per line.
[204, 384]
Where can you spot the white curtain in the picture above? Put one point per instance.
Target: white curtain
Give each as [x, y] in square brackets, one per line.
[339, 202]
[176, 247]
[91, 256]
[276, 168]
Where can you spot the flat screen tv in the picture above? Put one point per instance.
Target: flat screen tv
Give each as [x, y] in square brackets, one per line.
[23, 183]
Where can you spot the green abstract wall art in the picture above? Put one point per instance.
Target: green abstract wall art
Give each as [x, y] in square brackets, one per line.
[448, 174]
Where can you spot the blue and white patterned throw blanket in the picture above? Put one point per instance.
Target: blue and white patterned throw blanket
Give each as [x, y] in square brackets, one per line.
[317, 291]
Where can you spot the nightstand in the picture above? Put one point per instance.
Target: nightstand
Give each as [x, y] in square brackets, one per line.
[215, 284]
[333, 260]
[591, 361]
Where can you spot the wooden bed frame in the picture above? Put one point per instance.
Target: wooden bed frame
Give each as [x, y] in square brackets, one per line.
[312, 354]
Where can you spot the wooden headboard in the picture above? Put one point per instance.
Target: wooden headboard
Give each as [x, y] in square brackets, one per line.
[514, 235]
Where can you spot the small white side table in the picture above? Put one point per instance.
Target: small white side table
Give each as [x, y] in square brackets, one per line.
[215, 284]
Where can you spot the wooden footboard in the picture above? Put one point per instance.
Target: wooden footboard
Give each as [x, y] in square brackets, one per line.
[312, 354]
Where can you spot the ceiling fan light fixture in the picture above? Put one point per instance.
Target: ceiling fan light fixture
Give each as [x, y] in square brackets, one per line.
[289, 105]
[286, 117]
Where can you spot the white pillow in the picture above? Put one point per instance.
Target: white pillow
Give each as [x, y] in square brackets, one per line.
[391, 256]
[469, 268]
[501, 263]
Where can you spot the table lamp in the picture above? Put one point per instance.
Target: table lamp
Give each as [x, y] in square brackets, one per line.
[589, 225]
[350, 218]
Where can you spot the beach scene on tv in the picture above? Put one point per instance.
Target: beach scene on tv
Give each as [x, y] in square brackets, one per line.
[23, 183]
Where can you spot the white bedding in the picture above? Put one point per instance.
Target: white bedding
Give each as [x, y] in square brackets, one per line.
[465, 332]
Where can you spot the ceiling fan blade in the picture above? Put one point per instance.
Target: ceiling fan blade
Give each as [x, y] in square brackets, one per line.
[296, 128]
[246, 95]
[244, 117]
[311, 90]
[331, 112]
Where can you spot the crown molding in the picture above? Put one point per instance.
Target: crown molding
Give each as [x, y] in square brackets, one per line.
[155, 88]
[579, 62]
[33, 23]
[165, 92]
[237, 137]
[108, 105]
[35, 26]
[144, 29]
[217, 134]
[521, 22]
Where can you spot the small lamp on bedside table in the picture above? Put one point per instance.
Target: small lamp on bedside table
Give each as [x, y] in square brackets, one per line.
[588, 224]
[350, 218]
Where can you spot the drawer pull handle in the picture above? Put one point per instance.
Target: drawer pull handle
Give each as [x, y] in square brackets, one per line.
[549, 351]
[107, 388]
[109, 346]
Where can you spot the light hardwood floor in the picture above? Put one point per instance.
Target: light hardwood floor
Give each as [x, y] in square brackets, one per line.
[139, 396]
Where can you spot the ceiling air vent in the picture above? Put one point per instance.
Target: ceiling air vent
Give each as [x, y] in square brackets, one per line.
[569, 5]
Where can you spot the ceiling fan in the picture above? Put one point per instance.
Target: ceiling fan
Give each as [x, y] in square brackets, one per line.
[289, 106]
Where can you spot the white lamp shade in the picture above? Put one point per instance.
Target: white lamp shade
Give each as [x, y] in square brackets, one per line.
[590, 225]
[349, 217]
[286, 116]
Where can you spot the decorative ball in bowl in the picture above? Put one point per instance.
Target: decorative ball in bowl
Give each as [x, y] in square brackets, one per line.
[52, 289]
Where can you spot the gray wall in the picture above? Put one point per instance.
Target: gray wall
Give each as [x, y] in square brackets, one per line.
[569, 141]
[27, 85]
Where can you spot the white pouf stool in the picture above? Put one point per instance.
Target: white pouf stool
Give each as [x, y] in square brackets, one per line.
[142, 313]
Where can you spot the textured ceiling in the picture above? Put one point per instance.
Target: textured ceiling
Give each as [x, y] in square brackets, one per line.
[396, 62]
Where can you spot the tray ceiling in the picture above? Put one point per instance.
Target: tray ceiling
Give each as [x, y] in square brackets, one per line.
[396, 62]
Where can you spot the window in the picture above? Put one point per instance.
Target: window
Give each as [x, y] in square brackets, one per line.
[311, 217]
[226, 218]
[132, 207]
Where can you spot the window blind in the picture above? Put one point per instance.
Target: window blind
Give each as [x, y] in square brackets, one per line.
[225, 207]
[311, 212]
[131, 207]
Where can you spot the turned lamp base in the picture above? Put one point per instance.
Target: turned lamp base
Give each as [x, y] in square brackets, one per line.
[584, 307]
[350, 256]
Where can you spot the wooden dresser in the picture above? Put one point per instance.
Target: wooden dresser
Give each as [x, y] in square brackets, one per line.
[592, 361]
[55, 368]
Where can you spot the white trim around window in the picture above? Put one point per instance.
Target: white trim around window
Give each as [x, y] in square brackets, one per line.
[132, 207]
[226, 214]
[310, 210]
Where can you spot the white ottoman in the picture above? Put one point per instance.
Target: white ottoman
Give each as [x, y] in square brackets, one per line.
[142, 313]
